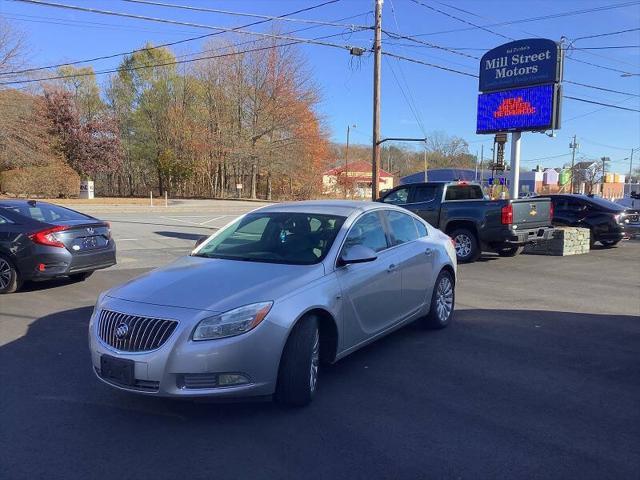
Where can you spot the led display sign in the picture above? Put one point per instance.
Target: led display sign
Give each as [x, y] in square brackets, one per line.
[518, 109]
[521, 63]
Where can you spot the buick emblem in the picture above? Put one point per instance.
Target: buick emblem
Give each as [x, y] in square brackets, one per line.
[90, 231]
[122, 331]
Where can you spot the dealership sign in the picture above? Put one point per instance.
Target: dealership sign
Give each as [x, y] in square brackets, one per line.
[524, 62]
[518, 109]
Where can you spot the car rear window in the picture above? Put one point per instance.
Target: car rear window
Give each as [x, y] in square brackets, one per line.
[601, 202]
[464, 192]
[46, 212]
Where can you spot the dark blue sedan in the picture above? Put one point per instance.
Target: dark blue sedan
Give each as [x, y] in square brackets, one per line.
[39, 241]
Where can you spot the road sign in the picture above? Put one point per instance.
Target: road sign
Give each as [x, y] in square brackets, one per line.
[519, 109]
[531, 61]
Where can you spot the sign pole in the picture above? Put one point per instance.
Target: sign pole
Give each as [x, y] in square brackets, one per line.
[515, 164]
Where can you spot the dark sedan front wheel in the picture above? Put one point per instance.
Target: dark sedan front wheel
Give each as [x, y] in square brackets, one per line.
[9, 277]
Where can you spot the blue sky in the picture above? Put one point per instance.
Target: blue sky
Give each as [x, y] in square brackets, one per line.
[442, 101]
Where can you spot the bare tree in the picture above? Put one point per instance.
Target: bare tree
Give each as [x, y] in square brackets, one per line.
[12, 48]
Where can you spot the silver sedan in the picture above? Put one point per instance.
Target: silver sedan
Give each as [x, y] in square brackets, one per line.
[256, 308]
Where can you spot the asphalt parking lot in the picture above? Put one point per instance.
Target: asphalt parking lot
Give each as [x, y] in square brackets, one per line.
[537, 377]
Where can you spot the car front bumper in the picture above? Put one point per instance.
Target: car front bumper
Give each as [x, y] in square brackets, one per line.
[162, 372]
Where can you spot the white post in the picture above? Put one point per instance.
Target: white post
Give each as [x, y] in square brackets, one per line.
[151, 198]
[166, 200]
[515, 164]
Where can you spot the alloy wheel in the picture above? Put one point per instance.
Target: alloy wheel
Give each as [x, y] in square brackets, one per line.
[5, 274]
[463, 245]
[444, 299]
[315, 362]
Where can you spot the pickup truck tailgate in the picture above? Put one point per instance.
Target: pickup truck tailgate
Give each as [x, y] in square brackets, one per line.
[532, 212]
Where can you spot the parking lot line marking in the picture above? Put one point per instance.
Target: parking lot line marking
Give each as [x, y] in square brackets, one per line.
[127, 239]
[183, 221]
[215, 218]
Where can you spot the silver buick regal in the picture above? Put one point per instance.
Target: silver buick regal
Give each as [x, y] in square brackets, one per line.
[257, 306]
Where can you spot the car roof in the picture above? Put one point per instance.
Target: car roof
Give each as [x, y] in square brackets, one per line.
[329, 207]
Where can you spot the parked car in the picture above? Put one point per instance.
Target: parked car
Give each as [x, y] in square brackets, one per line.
[256, 307]
[631, 205]
[40, 241]
[460, 210]
[607, 221]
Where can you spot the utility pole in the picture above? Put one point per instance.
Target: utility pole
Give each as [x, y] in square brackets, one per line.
[604, 169]
[481, 161]
[346, 161]
[425, 163]
[630, 165]
[573, 145]
[377, 61]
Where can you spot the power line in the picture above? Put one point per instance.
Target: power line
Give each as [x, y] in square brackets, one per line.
[601, 88]
[155, 65]
[175, 22]
[413, 104]
[600, 103]
[428, 44]
[606, 34]
[169, 44]
[532, 19]
[485, 28]
[252, 15]
[595, 111]
[441, 67]
[474, 25]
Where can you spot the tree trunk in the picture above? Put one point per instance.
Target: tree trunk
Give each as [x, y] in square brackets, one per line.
[268, 186]
[253, 180]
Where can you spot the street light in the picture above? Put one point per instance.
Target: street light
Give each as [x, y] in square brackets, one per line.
[346, 161]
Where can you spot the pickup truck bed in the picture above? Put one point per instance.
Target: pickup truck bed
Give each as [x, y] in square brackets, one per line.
[476, 224]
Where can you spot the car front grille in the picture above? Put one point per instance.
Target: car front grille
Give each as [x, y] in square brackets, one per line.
[130, 333]
[632, 218]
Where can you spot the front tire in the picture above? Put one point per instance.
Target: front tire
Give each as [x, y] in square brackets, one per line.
[510, 251]
[9, 277]
[443, 302]
[298, 375]
[467, 247]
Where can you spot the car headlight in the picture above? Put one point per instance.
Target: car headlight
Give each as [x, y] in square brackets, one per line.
[233, 322]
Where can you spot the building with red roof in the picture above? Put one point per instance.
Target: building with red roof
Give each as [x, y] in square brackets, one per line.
[353, 180]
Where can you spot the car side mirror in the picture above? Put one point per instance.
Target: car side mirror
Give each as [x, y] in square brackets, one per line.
[200, 241]
[357, 254]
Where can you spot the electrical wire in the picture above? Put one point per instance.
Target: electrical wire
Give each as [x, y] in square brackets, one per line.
[176, 22]
[440, 67]
[601, 88]
[169, 44]
[606, 34]
[252, 15]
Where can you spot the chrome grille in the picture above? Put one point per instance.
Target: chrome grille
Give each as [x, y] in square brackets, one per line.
[130, 333]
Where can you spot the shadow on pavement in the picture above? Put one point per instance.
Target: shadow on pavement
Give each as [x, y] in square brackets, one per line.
[498, 394]
[180, 235]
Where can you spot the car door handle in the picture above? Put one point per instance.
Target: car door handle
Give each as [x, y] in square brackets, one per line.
[392, 267]
[428, 251]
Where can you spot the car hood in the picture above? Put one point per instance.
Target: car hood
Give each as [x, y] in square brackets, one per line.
[215, 284]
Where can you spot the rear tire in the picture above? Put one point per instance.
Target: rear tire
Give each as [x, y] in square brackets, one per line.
[443, 302]
[298, 374]
[9, 277]
[511, 251]
[609, 243]
[80, 277]
[467, 247]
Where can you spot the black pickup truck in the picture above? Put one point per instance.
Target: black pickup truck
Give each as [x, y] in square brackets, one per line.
[460, 210]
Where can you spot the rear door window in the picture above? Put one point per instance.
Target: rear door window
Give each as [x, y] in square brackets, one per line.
[402, 227]
[425, 193]
[422, 230]
[4, 220]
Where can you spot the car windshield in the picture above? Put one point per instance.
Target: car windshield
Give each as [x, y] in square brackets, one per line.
[275, 237]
